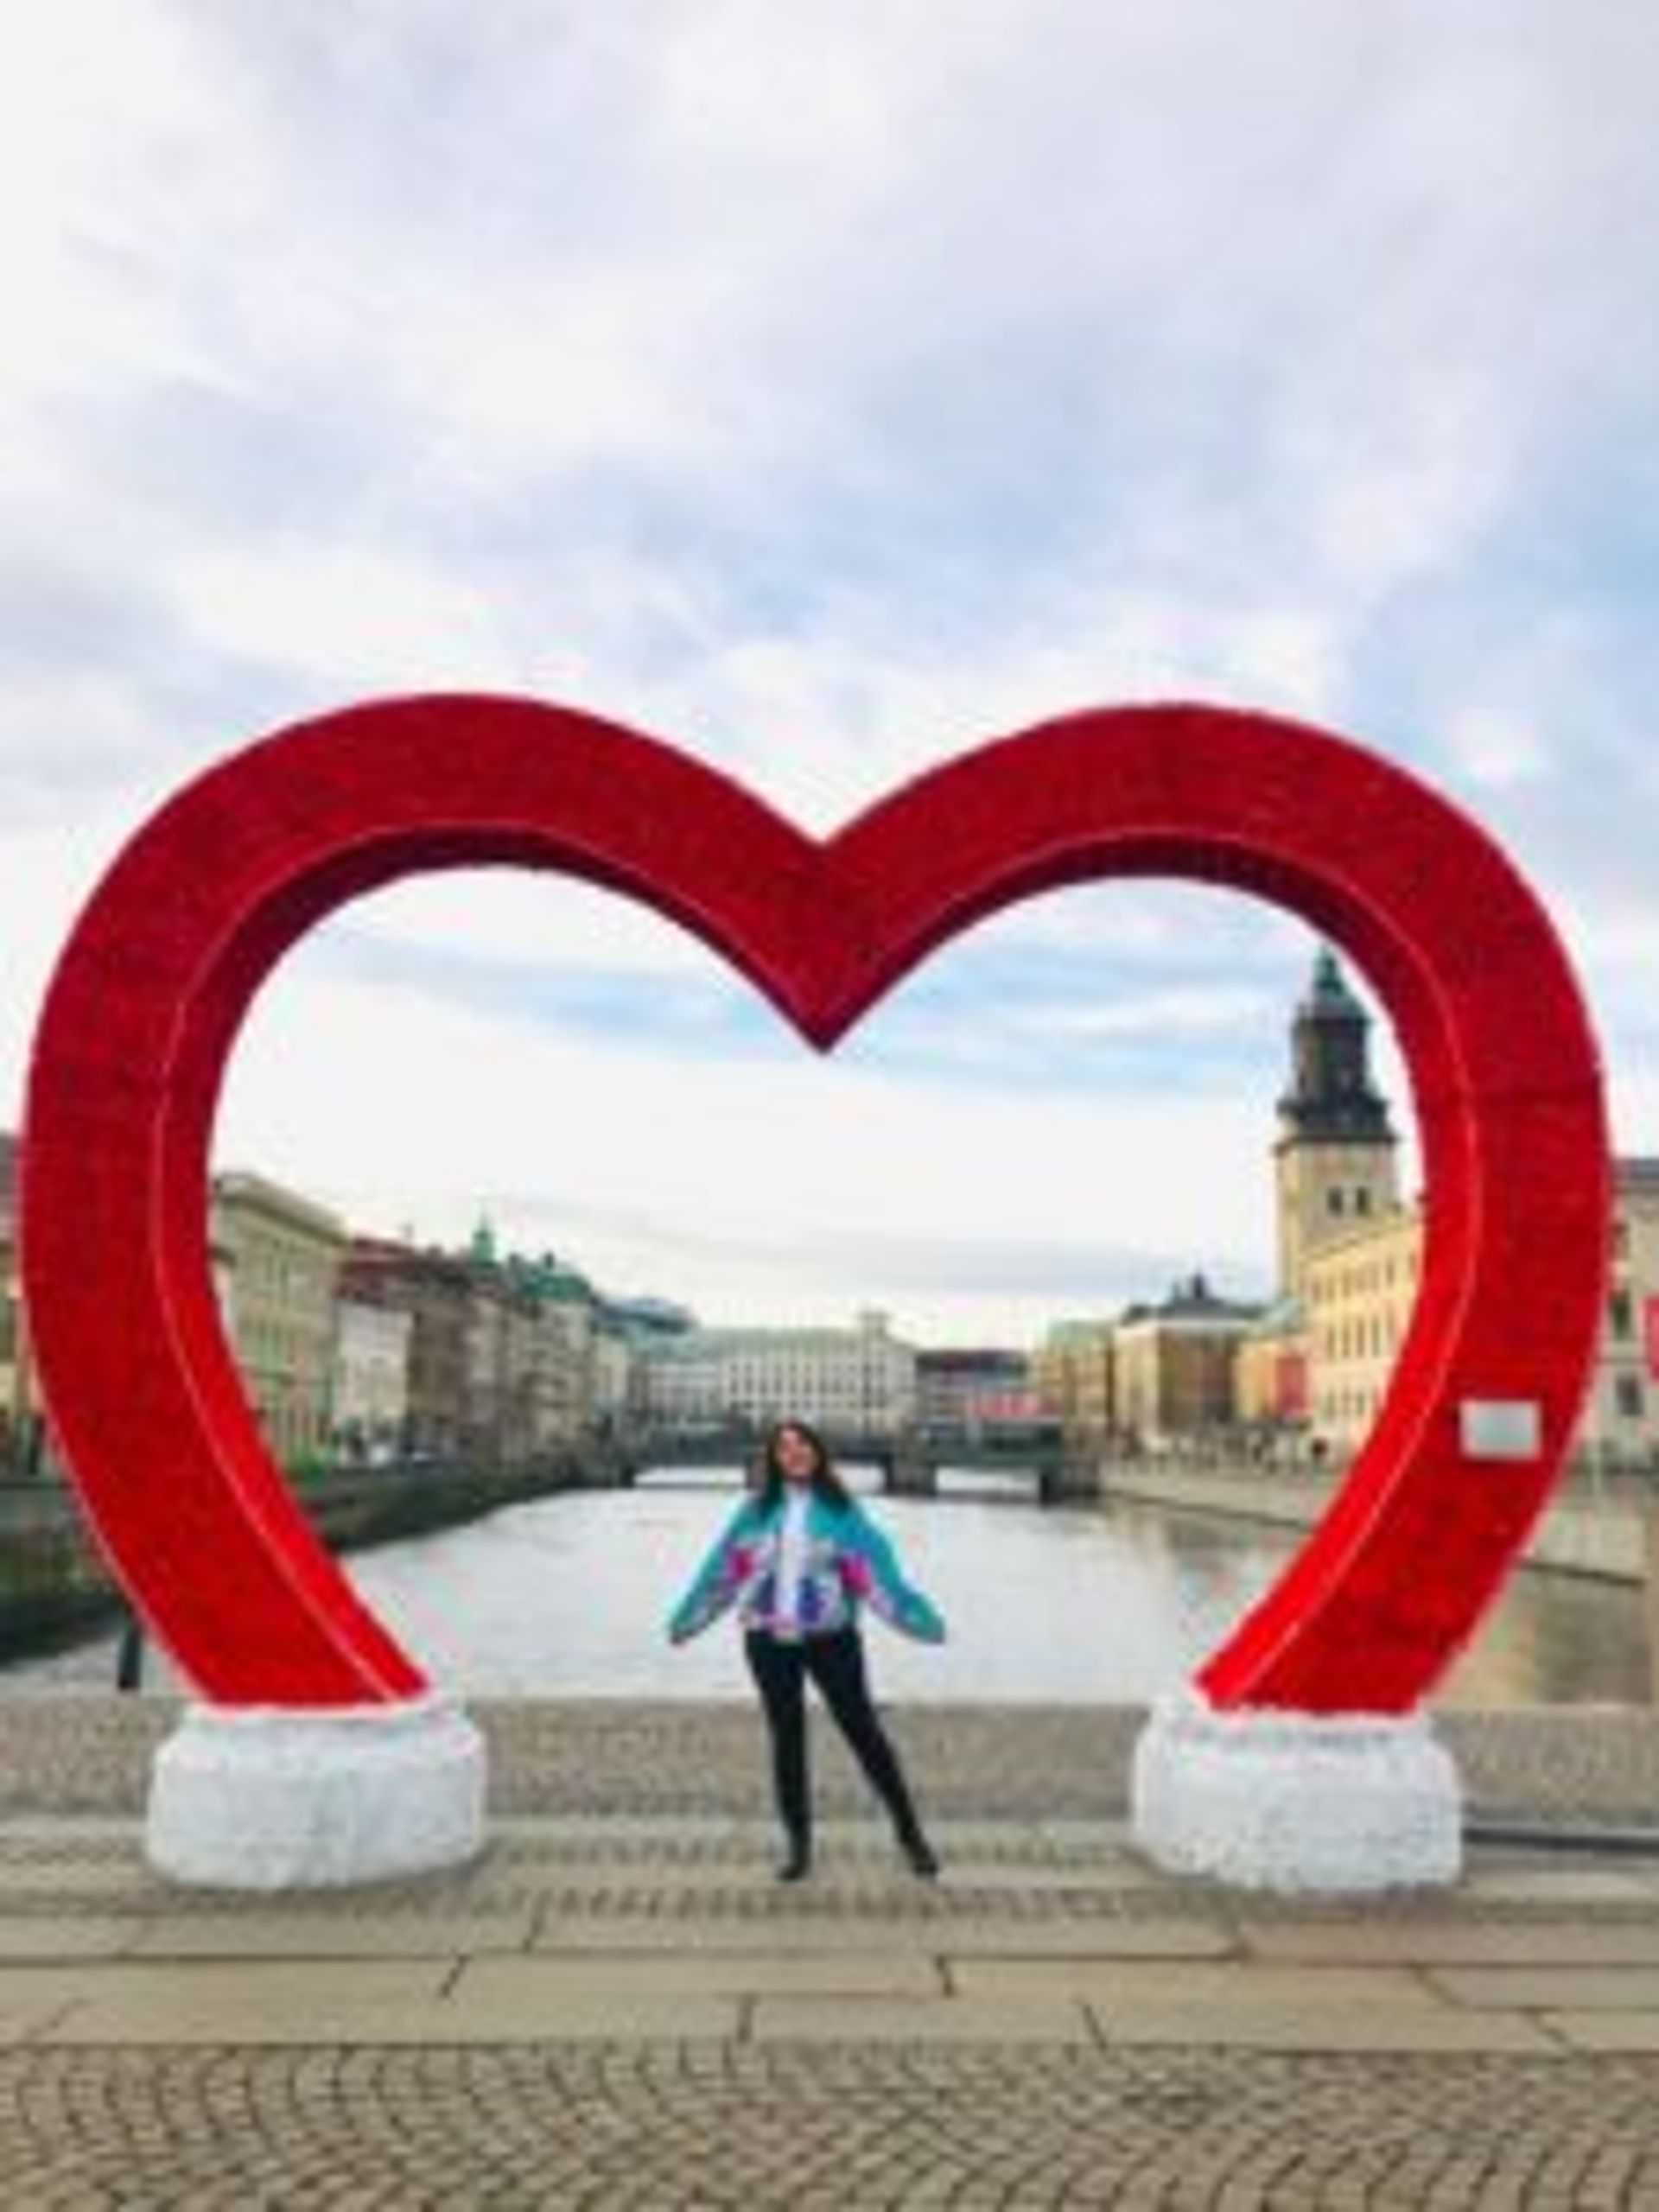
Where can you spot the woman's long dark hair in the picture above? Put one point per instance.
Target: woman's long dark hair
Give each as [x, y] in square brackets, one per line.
[825, 1482]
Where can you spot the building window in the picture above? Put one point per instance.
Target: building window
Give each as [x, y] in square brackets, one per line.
[1333, 1200]
[1620, 1320]
[1627, 1397]
[1362, 1200]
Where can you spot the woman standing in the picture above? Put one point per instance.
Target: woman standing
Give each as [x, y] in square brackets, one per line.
[797, 1561]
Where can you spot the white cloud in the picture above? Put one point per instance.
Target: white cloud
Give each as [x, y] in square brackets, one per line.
[91, 85]
[734, 1177]
[357, 619]
[46, 874]
[1495, 752]
[826, 390]
[1194, 1010]
[542, 922]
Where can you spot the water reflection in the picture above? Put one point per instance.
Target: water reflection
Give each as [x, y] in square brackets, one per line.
[567, 1598]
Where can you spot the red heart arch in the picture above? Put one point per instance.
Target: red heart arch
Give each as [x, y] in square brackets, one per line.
[156, 978]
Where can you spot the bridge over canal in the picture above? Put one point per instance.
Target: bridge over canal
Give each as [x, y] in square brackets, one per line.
[909, 1460]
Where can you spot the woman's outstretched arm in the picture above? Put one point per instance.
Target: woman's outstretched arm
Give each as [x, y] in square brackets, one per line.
[718, 1580]
[871, 1570]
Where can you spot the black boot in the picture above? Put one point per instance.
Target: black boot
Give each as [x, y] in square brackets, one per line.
[918, 1852]
[797, 1860]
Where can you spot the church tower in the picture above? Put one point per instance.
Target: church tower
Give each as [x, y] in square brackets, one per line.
[1334, 1158]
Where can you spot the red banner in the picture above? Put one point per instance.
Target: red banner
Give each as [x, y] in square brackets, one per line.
[1650, 1333]
[1290, 1386]
[1003, 1405]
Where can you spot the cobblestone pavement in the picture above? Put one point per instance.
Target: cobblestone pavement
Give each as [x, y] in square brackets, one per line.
[672, 2127]
[615, 2005]
[90, 1752]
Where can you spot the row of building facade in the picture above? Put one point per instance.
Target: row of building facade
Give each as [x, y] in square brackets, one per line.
[370, 1349]
[1304, 1374]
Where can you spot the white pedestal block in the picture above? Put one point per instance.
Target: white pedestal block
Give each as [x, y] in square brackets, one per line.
[270, 1797]
[1297, 1802]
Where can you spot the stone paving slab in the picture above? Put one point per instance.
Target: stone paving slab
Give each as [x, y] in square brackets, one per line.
[1554, 1988]
[945, 1935]
[41, 1937]
[859, 2022]
[91, 1878]
[28, 2008]
[918, 1998]
[287, 1931]
[744, 1973]
[224, 2002]
[1563, 1886]
[376, 2005]
[1450, 1942]
[1603, 2030]
[1197, 1986]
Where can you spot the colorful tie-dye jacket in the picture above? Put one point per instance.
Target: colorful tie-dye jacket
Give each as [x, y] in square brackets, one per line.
[848, 1563]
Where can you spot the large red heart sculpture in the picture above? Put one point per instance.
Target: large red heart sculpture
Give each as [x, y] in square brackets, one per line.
[156, 978]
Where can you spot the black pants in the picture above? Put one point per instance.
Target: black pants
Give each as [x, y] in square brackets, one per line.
[836, 1665]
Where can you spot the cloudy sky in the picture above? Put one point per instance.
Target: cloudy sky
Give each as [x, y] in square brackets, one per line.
[828, 386]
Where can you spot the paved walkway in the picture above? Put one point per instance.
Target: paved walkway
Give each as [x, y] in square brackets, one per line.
[616, 2006]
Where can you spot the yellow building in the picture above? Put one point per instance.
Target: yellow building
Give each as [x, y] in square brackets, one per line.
[1173, 1364]
[1071, 1376]
[1361, 1288]
[282, 1256]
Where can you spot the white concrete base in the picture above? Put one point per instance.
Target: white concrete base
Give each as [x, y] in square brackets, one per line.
[268, 1797]
[1296, 1801]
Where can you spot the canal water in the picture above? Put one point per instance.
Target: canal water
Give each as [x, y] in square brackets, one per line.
[567, 1597]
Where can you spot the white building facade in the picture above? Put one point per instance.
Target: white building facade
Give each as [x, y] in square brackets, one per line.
[614, 1361]
[371, 1379]
[858, 1381]
[278, 1255]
